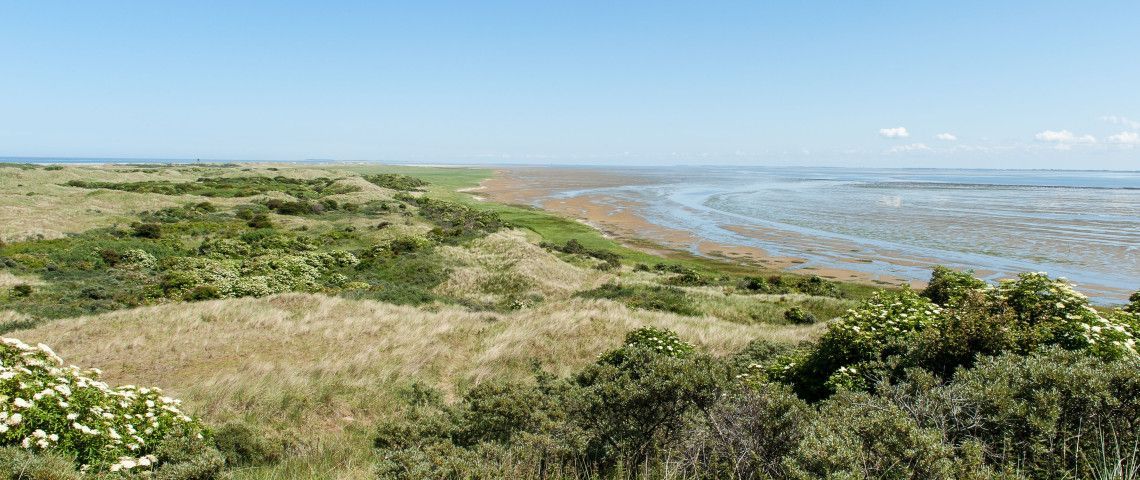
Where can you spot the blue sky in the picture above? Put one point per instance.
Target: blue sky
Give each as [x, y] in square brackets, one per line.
[993, 84]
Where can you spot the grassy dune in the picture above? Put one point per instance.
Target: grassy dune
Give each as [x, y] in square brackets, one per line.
[315, 373]
[312, 374]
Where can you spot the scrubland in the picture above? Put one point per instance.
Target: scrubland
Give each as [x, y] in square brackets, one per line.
[373, 322]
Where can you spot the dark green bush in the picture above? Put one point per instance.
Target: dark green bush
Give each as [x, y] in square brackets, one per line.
[819, 287]
[22, 290]
[799, 316]
[655, 297]
[21, 464]
[574, 247]
[746, 434]
[861, 436]
[259, 220]
[396, 181]
[147, 230]
[299, 207]
[757, 352]
[228, 187]
[495, 412]
[755, 284]
[454, 221]
[1047, 413]
[241, 446]
[633, 409]
[187, 457]
[947, 285]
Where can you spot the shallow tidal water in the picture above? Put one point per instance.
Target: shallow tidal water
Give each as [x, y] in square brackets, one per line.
[1082, 225]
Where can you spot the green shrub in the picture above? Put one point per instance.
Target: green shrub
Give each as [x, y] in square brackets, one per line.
[228, 187]
[396, 181]
[1047, 413]
[636, 407]
[22, 290]
[947, 285]
[21, 464]
[892, 331]
[688, 278]
[610, 259]
[496, 412]
[259, 220]
[799, 316]
[454, 221]
[399, 246]
[408, 279]
[147, 230]
[757, 353]
[299, 207]
[747, 434]
[756, 284]
[46, 407]
[819, 287]
[241, 446]
[861, 436]
[661, 341]
[660, 298]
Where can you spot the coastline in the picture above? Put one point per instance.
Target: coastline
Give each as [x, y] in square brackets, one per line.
[624, 220]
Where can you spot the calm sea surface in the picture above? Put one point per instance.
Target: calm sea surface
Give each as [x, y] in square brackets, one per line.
[1084, 226]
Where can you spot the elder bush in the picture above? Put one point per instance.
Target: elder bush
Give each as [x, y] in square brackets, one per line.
[46, 407]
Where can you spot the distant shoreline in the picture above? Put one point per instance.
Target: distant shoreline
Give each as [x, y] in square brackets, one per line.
[588, 195]
[462, 164]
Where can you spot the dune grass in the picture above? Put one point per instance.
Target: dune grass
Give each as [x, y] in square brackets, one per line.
[314, 373]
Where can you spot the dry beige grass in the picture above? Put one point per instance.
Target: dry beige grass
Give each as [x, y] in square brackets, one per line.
[506, 263]
[316, 372]
[7, 280]
[320, 371]
[34, 203]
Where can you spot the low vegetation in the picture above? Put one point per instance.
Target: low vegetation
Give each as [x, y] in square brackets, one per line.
[396, 181]
[373, 323]
[47, 407]
[228, 186]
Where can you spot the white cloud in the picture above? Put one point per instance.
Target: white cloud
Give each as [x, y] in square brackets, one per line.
[949, 137]
[1126, 138]
[913, 147]
[1064, 138]
[896, 132]
[1117, 120]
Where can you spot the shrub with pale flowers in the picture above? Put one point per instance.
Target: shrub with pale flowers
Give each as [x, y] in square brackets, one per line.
[894, 330]
[47, 406]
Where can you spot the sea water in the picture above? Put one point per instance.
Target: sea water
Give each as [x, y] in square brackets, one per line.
[1082, 225]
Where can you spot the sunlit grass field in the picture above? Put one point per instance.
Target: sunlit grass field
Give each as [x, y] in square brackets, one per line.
[311, 374]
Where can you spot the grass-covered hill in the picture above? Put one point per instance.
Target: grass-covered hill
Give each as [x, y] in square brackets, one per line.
[373, 322]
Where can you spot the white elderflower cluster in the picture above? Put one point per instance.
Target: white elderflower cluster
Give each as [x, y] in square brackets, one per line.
[45, 405]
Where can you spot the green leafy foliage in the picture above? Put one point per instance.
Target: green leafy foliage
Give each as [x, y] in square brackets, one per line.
[395, 181]
[661, 341]
[646, 297]
[228, 187]
[47, 407]
[610, 260]
[799, 316]
[455, 222]
[947, 286]
[892, 331]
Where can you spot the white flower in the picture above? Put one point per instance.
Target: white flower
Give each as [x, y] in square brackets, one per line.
[21, 403]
